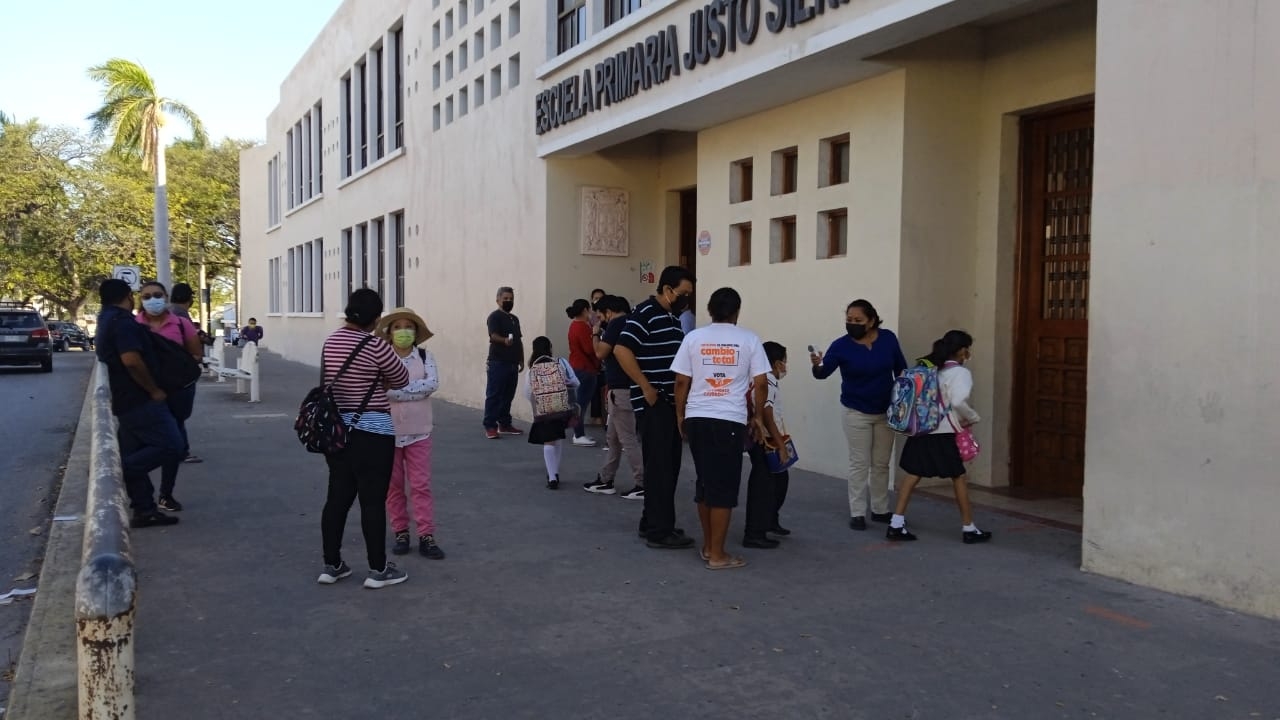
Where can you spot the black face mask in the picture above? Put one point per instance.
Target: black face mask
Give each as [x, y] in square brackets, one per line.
[507, 305]
[679, 304]
[856, 331]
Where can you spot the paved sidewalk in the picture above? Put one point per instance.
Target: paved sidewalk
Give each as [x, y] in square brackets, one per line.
[549, 606]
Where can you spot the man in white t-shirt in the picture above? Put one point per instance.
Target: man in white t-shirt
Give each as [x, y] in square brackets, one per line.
[715, 368]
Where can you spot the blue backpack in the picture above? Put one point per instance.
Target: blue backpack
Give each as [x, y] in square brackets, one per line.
[915, 407]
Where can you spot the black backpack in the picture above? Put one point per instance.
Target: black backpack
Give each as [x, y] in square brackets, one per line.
[174, 368]
[319, 424]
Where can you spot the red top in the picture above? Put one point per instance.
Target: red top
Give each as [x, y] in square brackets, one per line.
[582, 351]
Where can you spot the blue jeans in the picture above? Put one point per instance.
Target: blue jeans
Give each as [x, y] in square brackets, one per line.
[586, 389]
[181, 403]
[149, 438]
[499, 391]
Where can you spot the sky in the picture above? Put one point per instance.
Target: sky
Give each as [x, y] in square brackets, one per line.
[224, 59]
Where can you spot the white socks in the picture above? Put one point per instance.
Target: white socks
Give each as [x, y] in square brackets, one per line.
[971, 528]
[898, 521]
[551, 457]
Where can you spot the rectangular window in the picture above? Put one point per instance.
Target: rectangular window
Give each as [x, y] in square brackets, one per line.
[299, 175]
[740, 244]
[346, 126]
[448, 66]
[397, 231]
[479, 7]
[318, 133]
[479, 91]
[362, 133]
[782, 239]
[308, 158]
[273, 285]
[462, 102]
[448, 110]
[273, 191]
[833, 160]
[833, 234]
[462, 13]
[435, 76]
[741, 178]
[448, 25]
[362, 232]
[571, 23]
[478, 44]
[380, 256]
[495, 82]
[308, 272]
[292, 162]
[513, 71]
[435, 36]
[317, 276]
[348, 254]
[615, 10]
[291, 269]
[463, 56]
[513, 21]
[376, 104]
[397, 88]
[495, 33]
[785, 166]
[435, 117]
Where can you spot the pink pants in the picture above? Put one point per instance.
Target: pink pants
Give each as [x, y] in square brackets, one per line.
[413, 461]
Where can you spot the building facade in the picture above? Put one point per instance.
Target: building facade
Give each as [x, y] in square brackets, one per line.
[936, 157]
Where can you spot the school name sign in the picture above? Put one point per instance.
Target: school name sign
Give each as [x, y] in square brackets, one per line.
[714, 29]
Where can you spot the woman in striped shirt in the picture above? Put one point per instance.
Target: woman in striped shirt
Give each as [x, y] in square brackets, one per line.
[360, 367]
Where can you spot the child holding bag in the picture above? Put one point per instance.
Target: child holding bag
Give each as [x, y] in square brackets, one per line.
[943, 452]
[766, 489]
[549, 433]
[412, 417]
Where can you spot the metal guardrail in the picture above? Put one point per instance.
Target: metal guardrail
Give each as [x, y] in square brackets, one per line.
[107, 586]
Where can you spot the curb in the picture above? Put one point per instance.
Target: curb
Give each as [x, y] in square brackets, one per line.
[45, 683]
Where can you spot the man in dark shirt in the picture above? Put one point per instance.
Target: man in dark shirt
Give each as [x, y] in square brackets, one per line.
[147, 431]
[506, 361]
[645, 349]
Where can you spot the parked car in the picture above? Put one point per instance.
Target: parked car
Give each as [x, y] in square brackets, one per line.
[24, 337]
[66, 335]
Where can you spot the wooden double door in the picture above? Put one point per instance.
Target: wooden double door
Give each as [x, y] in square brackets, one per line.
[1052, 328]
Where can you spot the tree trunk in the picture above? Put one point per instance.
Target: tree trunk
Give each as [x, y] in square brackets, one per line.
[163, 266]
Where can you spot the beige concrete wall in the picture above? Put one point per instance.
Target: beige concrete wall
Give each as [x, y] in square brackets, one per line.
[802, 302]
[1181, 484]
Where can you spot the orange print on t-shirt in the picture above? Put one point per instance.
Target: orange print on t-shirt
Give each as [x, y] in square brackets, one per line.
[719, 355]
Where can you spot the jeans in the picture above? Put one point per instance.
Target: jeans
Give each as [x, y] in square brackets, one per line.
[361, 470]
[621, 438]
[181, 403]
[766, 492]
[586, 388]
[499, 391]
[662, 450]
[870, 450]
[412, 464]
[149, 438]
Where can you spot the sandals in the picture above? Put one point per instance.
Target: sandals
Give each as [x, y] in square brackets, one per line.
[730, 564]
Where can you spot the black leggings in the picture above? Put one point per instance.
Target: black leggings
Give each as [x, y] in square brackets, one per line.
[362, 470]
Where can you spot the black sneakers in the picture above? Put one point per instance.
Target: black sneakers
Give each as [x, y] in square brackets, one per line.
[760, 543]
[169, 504]
[857, 523]
[155, 518]
[671, 541]
[881, 517]
[899, 534]
[553, 483]
[599, 487]
[427, 547]
[978, 536]
[402, 544]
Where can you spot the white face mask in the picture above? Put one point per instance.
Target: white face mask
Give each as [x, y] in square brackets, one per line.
[155, 306]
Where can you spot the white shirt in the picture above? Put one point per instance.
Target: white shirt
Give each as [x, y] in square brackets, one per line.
[720, 360]
[955, 382]
[775, 402]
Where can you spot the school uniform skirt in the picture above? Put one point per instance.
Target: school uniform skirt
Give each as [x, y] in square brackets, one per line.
[932, 456]
[546, 431]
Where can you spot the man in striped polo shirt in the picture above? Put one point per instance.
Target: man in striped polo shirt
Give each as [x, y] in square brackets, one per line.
[648, 344]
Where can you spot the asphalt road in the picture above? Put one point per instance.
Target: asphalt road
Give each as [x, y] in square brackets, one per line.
[38, 416]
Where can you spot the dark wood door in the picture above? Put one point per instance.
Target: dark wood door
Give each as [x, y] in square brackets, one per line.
[689, 230]
[1053, 310]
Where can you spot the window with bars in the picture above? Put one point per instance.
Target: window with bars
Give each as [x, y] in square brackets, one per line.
[571, 23]
[615, 10]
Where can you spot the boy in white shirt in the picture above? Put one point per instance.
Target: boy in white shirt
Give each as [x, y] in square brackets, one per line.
[714, 368]
[767, 490]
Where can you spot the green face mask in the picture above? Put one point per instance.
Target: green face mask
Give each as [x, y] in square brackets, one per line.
[404, 338]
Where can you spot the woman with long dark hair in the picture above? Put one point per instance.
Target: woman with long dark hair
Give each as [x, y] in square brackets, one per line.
[937, 454]
[868, 357]
[585, 364]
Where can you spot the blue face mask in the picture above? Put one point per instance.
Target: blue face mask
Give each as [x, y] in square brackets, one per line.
[155, 306]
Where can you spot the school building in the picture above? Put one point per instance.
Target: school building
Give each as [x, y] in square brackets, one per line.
[1087, 187]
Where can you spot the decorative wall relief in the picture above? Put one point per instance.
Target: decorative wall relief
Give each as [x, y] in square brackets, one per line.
[606, 214]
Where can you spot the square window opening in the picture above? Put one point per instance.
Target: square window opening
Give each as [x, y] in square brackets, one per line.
[833, 161]
[740, 244]
[782, 239]
[741, 179]
[784, 171]
[513, 71]
[833, 234]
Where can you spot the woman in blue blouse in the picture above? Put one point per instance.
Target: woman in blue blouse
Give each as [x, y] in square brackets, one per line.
[869, 358]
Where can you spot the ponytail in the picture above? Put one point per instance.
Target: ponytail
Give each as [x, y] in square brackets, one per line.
[946, 347]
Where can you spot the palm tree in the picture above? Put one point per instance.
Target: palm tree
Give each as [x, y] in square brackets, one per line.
[135, 113]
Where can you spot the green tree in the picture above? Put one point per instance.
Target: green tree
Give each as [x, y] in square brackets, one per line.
[134, 112]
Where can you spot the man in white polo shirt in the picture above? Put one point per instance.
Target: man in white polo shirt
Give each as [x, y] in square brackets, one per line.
[716, 366]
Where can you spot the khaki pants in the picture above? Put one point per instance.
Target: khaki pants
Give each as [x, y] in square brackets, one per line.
[870, 450]
[621, 438]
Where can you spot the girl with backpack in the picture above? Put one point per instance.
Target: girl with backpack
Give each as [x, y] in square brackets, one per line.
[941, 453]
[550, 429]
[412, 417]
